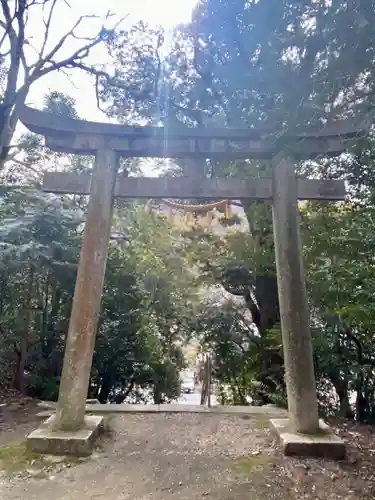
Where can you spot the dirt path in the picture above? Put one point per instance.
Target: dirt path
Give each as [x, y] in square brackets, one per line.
[165, 457]
[184, 456]
[17, 420]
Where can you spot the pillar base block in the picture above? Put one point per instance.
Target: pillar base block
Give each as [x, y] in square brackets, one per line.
[323, 444]
[46, 440]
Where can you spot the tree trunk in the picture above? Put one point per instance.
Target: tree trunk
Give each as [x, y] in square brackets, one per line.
[362, 408]
[24, 342]
[120, 398]
[341, 388]
[9, 119]
[52, 355]
[346, 411]
[158, 396]
[13, 98]
[240, 398]
[106, 386]
[362, 403]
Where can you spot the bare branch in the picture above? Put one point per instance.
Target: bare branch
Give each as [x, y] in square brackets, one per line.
[3, 55]
[21, 33]
[33, 47]
[81, 38]
[47, 24]
[69, 77]
[5, 34]
[60, 43]
[13, 26]
[7, 25]
[35, 2]
[69, 62]
[16, 48]
[97, 73]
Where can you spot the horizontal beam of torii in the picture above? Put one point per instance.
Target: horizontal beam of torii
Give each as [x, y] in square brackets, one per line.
[84, 137]
[186, 188]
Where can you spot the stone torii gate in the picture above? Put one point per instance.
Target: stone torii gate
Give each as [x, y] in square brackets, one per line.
[302, 433]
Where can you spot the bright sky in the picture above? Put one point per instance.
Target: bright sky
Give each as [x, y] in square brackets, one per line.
[165, 12]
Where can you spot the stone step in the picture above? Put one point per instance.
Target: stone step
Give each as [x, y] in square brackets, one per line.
[106, 409]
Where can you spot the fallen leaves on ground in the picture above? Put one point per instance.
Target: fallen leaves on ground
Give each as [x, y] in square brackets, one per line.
[352, 478]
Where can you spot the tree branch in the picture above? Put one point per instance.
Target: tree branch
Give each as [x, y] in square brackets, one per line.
[98, 74]
[47, 24]
[79, 53]
[16, 57]
[15, 96]
[21, 34]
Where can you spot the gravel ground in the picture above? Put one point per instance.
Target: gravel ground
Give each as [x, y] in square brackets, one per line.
[185, 456]
[165, 457]
[350, 479]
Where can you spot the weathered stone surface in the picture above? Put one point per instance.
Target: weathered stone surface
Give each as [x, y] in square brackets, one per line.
[294, 313]
[84, 317]
[80, 443]
[104, 409]
[45, 414]
[185, 187]
[323, 444]
[120, 409]
[50, 405]
[83, 137]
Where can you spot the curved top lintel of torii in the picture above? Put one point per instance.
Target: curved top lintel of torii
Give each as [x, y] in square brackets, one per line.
[45, 123]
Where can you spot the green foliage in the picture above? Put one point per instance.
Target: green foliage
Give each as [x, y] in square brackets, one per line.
[239, 352]
[148, 290]
[60, 104]
[33, 225]
[339, 250]
[145, 302]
